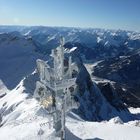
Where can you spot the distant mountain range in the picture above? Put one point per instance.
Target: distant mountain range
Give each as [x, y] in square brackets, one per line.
[112, 55]
[93, 44]
[124, 71]
[107, 81]
[118, 51]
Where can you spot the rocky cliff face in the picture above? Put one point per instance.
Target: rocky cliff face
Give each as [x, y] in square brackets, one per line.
[124, 71]
[98, 103]
[19, 51]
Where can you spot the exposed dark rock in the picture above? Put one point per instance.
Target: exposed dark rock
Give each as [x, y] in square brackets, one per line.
[97, 104]
[2, 95]
[124, 71]
[112, 96]
[125, 94]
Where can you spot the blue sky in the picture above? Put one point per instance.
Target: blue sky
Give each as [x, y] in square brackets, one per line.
[112, 14]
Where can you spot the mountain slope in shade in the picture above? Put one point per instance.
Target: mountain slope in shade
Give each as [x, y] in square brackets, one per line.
[124, 71]
[100, 43]
[101, 109]
[22, 112]
[94, 105]
[17, 58]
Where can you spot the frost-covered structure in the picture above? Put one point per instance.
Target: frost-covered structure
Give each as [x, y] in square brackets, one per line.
[61, 79]
[56, 77]
[57, 86]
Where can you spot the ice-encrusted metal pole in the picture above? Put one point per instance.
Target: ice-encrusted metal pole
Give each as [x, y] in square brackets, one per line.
[63, 117]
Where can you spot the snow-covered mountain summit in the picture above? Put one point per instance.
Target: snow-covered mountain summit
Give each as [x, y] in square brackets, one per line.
[105, 42]
[20, 113]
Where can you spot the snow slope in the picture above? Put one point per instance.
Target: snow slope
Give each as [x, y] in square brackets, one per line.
[24, 119]
[17, 58]
[104, 130]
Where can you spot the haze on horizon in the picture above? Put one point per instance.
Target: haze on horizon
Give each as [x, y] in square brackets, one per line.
[110, 14]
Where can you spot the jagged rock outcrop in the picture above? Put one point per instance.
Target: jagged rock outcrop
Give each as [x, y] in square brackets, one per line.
[111, 95]
[95, 104]
[123, 92]
[124, 72]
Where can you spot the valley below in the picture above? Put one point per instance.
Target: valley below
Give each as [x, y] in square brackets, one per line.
[108, 83]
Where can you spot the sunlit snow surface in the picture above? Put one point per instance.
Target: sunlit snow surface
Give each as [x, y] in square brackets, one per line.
[22, 116]
[24, 119]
